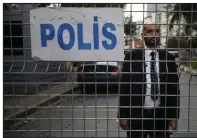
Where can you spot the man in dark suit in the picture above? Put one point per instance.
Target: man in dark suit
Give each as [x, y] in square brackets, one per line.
[149, 89]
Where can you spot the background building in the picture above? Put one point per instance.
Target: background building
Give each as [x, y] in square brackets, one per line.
[17, 55]
[154, 7]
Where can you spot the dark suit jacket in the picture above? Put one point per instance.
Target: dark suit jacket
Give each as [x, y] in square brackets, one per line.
[133, 81]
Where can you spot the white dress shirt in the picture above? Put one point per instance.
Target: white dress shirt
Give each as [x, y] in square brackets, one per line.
[149, 103]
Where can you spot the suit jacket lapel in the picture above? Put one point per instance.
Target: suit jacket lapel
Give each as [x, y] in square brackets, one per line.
[162, 69]
[162, 61]
[142, 59]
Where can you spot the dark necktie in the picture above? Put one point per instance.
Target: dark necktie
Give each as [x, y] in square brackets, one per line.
[154, 79]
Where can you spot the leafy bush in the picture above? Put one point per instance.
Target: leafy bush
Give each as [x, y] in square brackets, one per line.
[186, 62]
[194, 65]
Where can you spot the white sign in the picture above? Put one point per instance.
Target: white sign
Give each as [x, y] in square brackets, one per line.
[77, 34]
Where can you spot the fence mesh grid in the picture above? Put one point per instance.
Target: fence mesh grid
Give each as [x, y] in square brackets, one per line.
[48, 99]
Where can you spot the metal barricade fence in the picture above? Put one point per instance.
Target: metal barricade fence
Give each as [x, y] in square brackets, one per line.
[51, 99]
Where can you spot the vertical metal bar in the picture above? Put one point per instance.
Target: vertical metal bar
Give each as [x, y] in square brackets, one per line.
[73, 126]
[189, 101]
[118, 113]
[14, 109]
[95, 104]
[108, 99]
[60, 100]
[155, 83]
[22, 11]
[96, 117]
[95, 75]
[191, 50]
[166, 68]
[11, 45]
[107, 103]
[179, 41]
[179, 28]
[26, 104]
[71, 77]
[37, 90]
[84, 94]
[48, 64]
[131, 38]
[144, 75]
[34, 73]
[65, 80]
[84, 103]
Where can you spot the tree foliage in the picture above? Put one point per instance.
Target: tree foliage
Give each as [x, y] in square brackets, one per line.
[182, 42]
[184, 11]
[130, 27]
[175, 42]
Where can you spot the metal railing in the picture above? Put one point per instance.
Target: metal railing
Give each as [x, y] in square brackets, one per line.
[47, 99]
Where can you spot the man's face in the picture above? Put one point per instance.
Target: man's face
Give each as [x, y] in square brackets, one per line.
[151, 35]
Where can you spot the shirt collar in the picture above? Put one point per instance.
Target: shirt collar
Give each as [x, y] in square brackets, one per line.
[147, 50]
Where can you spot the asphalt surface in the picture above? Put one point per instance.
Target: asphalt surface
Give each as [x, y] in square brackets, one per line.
[76, 116]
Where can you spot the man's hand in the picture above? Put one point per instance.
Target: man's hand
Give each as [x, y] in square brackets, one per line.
[123, 124]
[172, 126]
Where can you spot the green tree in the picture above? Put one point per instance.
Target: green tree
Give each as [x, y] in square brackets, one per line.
[129, 27]
[185, 11]
[176, 42]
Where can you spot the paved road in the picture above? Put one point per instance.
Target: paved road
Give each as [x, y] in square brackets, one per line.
[89, 121]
